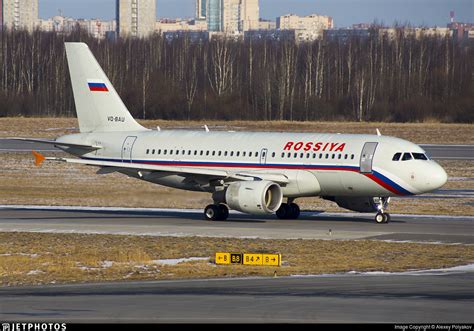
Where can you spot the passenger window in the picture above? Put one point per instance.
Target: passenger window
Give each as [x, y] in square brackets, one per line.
[232, 153]
[225, 153]
[327, 156]
[238, 154]
[333, 156]
[159, 152]
[213, 153]
[189, 152]
[307, 155]
[352, 157]
[320, 155]
[314, 155]
[339, 157]
[183, 152]
[419, 156]
[273, 154]
[171, 152]
[289, 155]
[201, 153]
[165, 151]
[283, 154]
[396, 157]
[406, 157]
[153, 152]
[345, 157]
[148, 151]
[250, 154]
[220, 153]
[195, 152]
[207, 153]
[295, 155]
[243, 153]
[256, 154]
[301, 155]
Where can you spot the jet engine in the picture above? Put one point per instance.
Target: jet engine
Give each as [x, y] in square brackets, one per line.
[254, 197]
[360, 204]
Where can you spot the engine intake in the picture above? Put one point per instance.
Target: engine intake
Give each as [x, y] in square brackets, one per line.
[254, 197]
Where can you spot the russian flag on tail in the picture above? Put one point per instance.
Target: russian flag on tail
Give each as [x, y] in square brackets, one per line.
[97, 86]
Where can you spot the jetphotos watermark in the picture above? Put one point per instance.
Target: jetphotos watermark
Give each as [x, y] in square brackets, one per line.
[441, 327]
[33, 326]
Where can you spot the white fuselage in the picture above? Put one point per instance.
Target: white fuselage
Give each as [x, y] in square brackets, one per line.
[315, 164]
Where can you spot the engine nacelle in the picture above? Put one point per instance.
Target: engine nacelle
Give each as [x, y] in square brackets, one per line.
[254, 197]
[360, 204]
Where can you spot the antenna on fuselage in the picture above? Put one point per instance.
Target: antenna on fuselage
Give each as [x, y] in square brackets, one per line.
[158, 128]
[206, 128]
[378, 132]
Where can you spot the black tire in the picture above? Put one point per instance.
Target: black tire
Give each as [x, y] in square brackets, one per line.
[212, 212]
[283, 212]
[387, 218]
[380, 218]
[294, 211]
[223, 212]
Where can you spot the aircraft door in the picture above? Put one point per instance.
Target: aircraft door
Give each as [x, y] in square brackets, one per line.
[367, 157]
[127, 148]
[263, 156]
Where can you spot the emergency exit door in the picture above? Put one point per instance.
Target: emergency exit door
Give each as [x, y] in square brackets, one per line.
[367, 157]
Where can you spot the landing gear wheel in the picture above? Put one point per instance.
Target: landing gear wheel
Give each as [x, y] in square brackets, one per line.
[294, 211]
[212, 212]
[283, 212]
[223, 212]
[382, 218]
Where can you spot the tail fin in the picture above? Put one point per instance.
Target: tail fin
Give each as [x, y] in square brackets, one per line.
[98, 106]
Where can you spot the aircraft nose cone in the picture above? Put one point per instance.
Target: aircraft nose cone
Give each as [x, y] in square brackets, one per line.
[438, 178]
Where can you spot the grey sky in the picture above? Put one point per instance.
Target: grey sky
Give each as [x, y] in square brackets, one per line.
[344, 12]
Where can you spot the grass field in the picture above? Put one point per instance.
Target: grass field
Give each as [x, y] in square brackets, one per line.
[39, 258]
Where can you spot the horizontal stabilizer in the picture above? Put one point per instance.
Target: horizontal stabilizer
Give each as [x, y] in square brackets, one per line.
[57, 143]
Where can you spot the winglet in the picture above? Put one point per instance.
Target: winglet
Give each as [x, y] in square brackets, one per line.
[39, 158]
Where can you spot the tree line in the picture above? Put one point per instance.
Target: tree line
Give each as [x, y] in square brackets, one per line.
[380, 78]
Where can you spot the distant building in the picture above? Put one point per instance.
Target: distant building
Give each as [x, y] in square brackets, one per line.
[343, 35]
[271, 35]
[417, 33]
[60, 24]
[135, 18]
[178, 25]
[201, 9]
[266, 25]
[461, 31]
[231, 16]
[307, 28]
[19, 14]
[194, 36]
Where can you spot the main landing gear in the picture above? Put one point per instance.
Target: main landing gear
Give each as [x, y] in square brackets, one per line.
[288, 211]
[218, 212]
[382, 216]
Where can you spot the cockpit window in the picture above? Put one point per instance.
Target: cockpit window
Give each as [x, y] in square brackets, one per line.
[419, 156]
[396, 157]
[406, 157]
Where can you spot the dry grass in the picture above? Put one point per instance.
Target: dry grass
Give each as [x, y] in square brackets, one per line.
[65, 184]
[36, 258]
[428, 133]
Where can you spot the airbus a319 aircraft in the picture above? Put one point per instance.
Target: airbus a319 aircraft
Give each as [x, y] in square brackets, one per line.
[251, 172]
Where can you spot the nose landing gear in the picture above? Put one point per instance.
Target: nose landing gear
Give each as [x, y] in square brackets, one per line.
[382, 216]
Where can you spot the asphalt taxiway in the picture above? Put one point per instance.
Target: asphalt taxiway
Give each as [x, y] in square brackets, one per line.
[176, 222]
[426, 297]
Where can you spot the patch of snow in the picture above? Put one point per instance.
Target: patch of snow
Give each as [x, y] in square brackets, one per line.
[34, 272]
[107, 264]
[178, 261]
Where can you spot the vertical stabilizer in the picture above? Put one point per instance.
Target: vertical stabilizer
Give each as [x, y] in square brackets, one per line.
[98, 106]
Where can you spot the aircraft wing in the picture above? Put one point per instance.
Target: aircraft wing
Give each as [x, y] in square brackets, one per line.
[57, 143]
[211, 173]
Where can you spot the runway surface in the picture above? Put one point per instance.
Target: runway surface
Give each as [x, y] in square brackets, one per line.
[426, 297]
[440, 152]
[175, 222]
